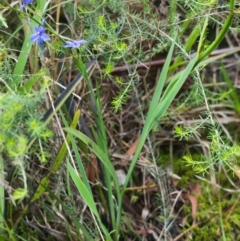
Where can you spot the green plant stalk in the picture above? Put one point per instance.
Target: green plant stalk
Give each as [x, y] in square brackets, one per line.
[220, 36]
[172, 90]
[101, 140]
[187, 46]
[157, 110]
[79, 162]
[201, 60]
[101, 154]
[87, 197]
[206, 61]
[82, 189]
[192, 37]
[27, 44]
[162, 106]
[218, 57]
[202, 37]
[147, 126]
[160, 84]
[80, 165]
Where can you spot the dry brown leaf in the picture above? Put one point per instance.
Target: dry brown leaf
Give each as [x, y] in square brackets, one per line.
[130, 152]
[143, 231]
[237, 171]
[133, 148]
[195, 188]
[91, 169]
[184, 221]
[194, 204]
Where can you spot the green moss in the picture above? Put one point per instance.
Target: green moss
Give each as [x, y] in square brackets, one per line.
[217, 215]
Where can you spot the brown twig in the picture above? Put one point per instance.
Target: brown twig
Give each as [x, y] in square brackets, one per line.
[160, 62]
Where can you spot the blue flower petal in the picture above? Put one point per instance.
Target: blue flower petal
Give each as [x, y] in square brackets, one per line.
[23, 7]
[27, 1]
[40, 41]
[36, 29]
[80, 42]
[34, 37]
[39, 35]
[74, 43]
[67, 46]
[45, 37]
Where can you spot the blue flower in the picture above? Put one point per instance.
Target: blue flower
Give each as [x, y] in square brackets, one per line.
[25, 3]
[74, 43]
[39, 36]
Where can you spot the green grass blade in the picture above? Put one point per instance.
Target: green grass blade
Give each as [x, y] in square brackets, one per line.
[27, 87]
[101, 140]
[160, 84]
[150, 115]
[83, 190]
[147, 126]
[220, 35]
[24, 54]
[202, 37]
[97, 151]
[79, 162]
[172, 90]
[86, 196]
